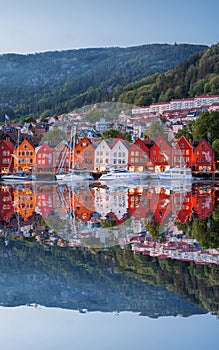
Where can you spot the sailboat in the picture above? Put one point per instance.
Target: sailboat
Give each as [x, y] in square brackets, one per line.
[73, 175]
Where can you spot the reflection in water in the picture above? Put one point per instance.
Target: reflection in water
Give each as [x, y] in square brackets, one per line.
[165, 221]
[151, 249]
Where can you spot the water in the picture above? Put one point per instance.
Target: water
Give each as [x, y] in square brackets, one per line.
[109, 268]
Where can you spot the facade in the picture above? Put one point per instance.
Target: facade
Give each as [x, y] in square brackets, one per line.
[45, 159]
[182, 153]
[62, 157]
[24, 156]
[6, 157]
[119, 154]
[178, 105]
[102, 125]
[84, 154]
[138, 156]
[102, 158]
[203, 156]
[161, 154]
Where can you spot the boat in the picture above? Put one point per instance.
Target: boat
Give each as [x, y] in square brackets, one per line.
[20, 176]
[176, 173]
[120, 174]
[154, 175]
[74, 175]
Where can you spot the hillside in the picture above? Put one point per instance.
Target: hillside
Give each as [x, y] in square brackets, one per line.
[197, 75]
[61, 81]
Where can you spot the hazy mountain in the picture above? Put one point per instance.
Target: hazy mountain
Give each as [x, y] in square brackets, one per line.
[197, 75]
[63, 80]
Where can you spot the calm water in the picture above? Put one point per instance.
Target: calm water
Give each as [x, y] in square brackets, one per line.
[102, 267]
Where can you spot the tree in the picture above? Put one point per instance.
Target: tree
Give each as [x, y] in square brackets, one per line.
[187, 131]
[53, 137]
[215, 146]
[206, 127]
[155, 130]
[110, 134]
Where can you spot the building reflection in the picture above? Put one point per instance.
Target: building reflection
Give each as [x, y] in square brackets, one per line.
[148, 217]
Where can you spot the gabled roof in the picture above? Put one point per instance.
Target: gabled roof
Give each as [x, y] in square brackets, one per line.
[9, 145]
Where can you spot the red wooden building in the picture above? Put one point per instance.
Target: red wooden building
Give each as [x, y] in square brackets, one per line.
[44, 160]
[182, 153]
[138, 156]
[161, 154]
[6, 156]
[203, 156]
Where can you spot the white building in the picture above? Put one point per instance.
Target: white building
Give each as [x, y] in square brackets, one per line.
[111, 154]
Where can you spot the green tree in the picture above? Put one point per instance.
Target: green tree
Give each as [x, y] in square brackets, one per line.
[110, 134]
[215, 146]
[53, 137]
[187, 131]
[155, 130]
[206, 127]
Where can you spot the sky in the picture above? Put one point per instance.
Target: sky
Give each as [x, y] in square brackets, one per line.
[70, 329]
[28, 26]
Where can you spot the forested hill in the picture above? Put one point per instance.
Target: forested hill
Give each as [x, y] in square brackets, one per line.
[63, 80]
[197, 75]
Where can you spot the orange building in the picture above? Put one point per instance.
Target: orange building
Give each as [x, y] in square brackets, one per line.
[24, 202]
[84, 154]
[24, 156]
[62, 157]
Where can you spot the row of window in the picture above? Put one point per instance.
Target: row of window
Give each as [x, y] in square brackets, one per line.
[25, 153]
[25, 161]
[43, 161]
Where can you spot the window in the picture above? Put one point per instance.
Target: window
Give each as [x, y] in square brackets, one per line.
[203, 147]
[197, 153]
[132, 153]
[182, 145]
[136, 153]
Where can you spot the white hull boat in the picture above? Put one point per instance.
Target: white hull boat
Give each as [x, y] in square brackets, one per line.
[176, 173]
